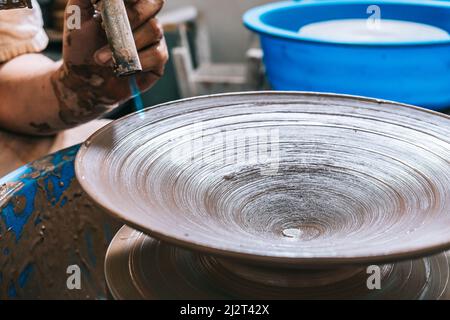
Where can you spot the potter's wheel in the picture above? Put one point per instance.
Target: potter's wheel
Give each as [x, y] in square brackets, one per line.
[140, 267]
[343, 181]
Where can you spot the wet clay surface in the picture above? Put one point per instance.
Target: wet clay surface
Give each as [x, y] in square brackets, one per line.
[47, 223]
[337, 180]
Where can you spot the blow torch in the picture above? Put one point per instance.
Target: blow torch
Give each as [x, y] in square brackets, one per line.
[120, 36]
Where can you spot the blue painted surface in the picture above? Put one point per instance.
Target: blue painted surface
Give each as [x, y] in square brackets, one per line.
[37, 221]
[416, 72]
[90, 247]
[15, 222]
[12, 292]
[54, 184]
[45, 183]
[29, 178]
[25, 275]
[63, 202]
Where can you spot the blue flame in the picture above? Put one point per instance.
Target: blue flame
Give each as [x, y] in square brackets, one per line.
[136, 94]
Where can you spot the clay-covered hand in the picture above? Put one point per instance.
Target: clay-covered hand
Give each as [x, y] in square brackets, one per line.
[86, 85]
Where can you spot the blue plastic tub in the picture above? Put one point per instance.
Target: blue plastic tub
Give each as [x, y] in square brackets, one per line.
[415, 72]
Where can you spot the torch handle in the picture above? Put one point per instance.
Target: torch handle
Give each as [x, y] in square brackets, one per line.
[120, 36]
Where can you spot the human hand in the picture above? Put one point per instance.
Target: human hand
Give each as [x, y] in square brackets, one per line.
[86, 84]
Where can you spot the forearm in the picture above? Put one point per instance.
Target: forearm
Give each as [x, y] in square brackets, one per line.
[39, 97]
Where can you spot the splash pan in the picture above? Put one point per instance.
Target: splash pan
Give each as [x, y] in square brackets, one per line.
[138, 267]
[276, 178]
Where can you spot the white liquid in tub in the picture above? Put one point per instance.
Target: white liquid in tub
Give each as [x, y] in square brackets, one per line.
[363, 30]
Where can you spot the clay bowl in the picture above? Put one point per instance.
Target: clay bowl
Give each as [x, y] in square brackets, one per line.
[281, 179]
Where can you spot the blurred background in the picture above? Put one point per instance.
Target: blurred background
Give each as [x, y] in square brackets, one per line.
[211, 51]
